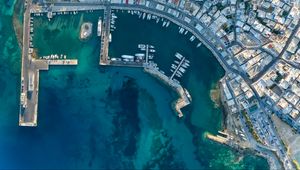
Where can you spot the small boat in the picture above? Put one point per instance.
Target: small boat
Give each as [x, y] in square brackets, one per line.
[199, 44]
[182, 70]
[188, 95]
[178, 75]
[141, 46]
[152, 50]
[140, 55]
[173, 66]
[192, 38]
[184, 65]
[144, 15]
[179, 56]
[157, 20]
[168, 23]
[150, 57]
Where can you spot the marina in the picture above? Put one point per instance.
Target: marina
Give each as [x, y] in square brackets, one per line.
[145, 57]
[89, 93]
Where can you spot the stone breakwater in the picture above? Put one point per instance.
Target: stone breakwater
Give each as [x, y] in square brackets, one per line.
[184, 97]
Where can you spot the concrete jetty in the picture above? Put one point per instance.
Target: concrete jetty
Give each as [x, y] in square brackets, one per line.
[30, 88]
[105, 34]
[218, 138]
[70, 62]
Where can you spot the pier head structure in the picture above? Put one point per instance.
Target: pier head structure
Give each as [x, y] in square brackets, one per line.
[262, 137]
[31, 66]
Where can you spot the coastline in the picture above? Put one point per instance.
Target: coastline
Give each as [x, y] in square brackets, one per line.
[17, 24]
[226, 128]
[215, 96]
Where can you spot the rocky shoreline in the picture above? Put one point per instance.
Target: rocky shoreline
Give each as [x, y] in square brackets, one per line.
[231, 141]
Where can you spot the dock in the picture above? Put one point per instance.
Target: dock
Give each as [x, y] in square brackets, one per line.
[217, 138]
[105, 34]
[177, 67]
[70, 62]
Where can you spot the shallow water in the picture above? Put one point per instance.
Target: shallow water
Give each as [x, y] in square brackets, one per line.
[109, 117]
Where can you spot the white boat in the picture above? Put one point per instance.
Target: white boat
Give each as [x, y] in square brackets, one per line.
[110, 37]
[178, 75]
[182, 70]
[172, 70]
[99, 28]
[140, 55]
[164, 23]
[150, 57]
[179, 56]
[177, 62]
[141, 46]
[199, 44]
[184, 65]
[168, 23]
[192, 38]
[188, 95]
[173, 66]
[144, 15]
[181, 30]
[187, 61]
[152, 50]
[151, 46]
[186, 32]
[127, 56]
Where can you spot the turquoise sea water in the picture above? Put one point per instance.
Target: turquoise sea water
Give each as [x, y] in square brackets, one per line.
[108, 117]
